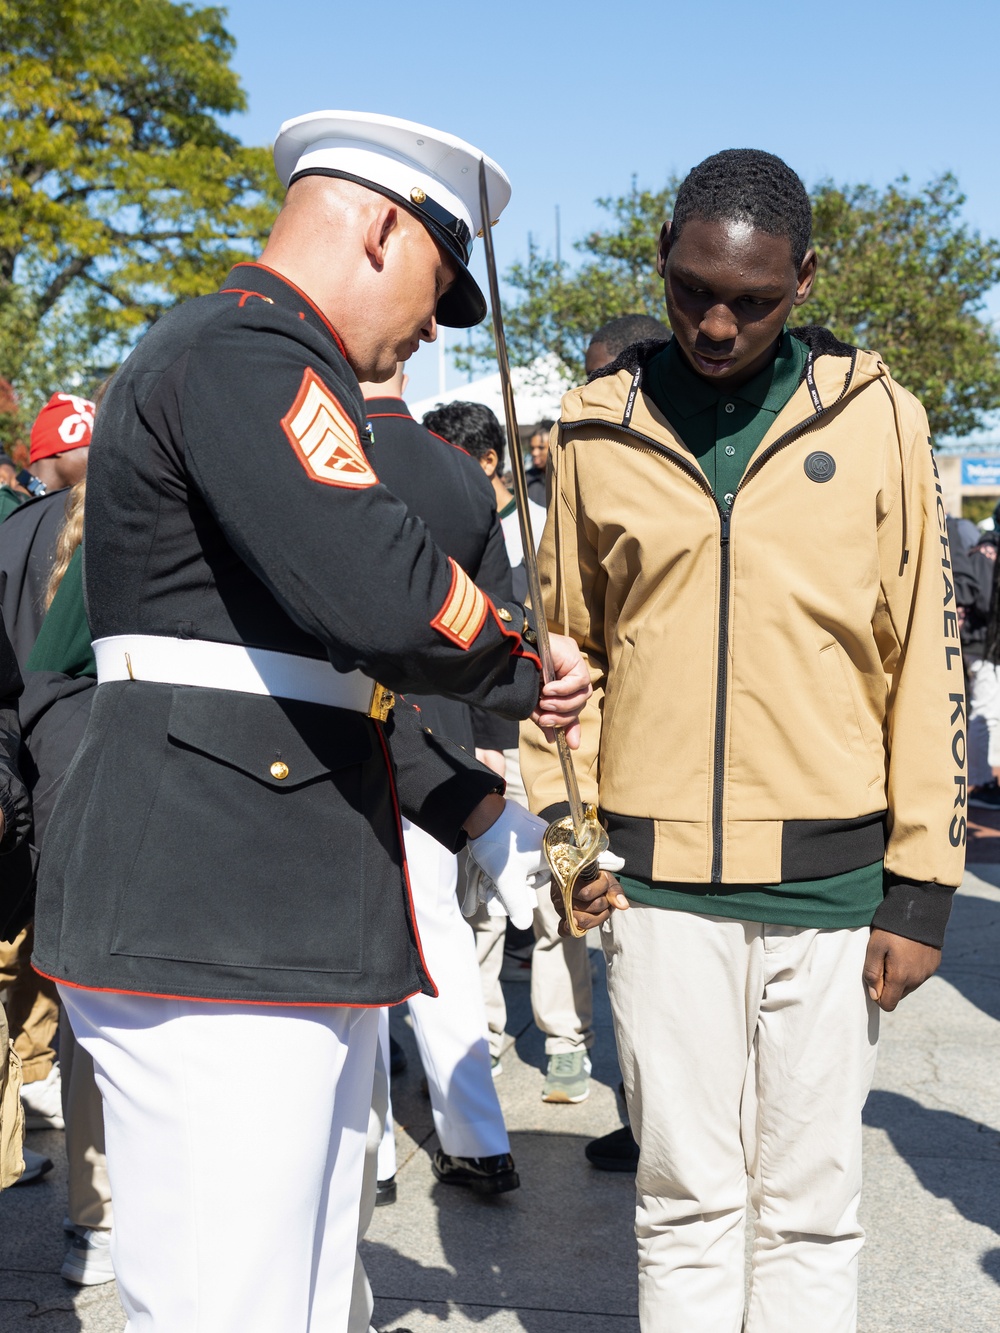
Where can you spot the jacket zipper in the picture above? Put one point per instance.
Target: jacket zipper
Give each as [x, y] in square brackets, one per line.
[725, 517]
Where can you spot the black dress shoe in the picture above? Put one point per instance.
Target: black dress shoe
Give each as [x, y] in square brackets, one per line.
[385, 1192]
[617, 1151]
[397, 1057]
[482, 1175]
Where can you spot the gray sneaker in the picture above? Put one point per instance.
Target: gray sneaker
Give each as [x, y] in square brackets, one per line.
[567, 1078]
[88, 1259]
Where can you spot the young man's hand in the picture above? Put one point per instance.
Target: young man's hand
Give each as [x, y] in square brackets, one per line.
[894, 966]
[593, 902]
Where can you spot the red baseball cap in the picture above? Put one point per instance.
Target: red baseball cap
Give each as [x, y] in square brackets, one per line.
[64, 423]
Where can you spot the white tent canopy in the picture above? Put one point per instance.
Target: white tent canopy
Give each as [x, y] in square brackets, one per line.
[538, 391]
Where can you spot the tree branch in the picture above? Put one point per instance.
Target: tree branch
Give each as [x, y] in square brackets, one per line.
[60, 282]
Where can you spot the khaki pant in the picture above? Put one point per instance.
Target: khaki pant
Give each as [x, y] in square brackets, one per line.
[88, 1186]
[32, 1007]
[562, 995]
[11, 1110]
[561, 987]
[748, 1052]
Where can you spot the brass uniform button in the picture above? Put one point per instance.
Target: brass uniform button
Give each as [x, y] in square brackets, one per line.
[504, 614]
[417, 195]
[279, 770]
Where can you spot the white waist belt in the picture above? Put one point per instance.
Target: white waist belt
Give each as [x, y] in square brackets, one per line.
[232, 666]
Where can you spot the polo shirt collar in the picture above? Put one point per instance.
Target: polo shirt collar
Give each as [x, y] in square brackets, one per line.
[689, 393]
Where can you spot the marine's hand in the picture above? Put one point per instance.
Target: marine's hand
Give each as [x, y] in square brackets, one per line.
[505, 859]
[894, 966]
[593, 902]
[561, 700]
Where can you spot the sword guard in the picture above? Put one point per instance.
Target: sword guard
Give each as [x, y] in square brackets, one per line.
[572, 861]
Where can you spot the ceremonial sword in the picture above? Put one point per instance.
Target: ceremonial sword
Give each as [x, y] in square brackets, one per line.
[571, 844]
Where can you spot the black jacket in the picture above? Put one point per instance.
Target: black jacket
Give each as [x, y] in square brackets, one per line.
[27, 550]
[231, 498]
[446, 487]
[16, 860]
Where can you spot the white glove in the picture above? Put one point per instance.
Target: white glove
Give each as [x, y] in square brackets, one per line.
[504, 863]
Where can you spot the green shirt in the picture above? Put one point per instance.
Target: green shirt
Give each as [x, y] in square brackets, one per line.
[63, 642]
[722, 427]
[9, 501]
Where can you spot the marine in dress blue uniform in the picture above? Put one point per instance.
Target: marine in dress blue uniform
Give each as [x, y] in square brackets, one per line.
[229, 830]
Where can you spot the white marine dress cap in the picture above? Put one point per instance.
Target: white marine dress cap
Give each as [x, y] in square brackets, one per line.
[433, 175]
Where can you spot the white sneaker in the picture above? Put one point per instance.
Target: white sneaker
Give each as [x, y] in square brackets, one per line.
[88, 1259]
[42, 1102]
[35, 1166]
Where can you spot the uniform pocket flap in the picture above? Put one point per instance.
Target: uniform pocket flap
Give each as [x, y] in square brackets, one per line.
[284, 743]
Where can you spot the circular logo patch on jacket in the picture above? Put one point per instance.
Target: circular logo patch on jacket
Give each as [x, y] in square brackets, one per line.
[820, 466]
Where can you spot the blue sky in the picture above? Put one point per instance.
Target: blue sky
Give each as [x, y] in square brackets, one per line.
[573, 99]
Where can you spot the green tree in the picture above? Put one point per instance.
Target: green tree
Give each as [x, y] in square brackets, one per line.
[900, 273]
[120, 191]
[558, 307]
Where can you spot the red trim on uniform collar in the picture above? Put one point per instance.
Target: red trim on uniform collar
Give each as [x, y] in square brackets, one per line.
[255, 263]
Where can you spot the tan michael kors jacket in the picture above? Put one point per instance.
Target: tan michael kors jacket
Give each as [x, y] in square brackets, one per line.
[778, 692]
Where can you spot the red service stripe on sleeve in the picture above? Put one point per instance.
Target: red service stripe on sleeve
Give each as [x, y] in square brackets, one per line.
[464, 611]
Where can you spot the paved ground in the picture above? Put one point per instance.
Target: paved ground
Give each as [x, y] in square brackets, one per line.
[525, 1263]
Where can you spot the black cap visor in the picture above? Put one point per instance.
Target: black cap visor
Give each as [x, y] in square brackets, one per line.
[463, 304]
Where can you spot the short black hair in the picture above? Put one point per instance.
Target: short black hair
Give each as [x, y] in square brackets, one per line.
[471, 426]
[543, 427]
[747, 185]
[622, 332]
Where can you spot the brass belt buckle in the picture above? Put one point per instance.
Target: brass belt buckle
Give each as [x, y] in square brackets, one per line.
[382, 704]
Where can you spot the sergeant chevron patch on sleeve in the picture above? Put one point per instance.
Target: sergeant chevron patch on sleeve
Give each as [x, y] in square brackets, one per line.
[464, 611]
[325, 438]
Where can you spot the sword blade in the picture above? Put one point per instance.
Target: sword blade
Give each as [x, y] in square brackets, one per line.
[521, 496]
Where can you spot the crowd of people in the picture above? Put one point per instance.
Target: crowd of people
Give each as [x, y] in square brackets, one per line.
[285, 755]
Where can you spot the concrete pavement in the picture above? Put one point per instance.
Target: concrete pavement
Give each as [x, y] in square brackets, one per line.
[558, 1255]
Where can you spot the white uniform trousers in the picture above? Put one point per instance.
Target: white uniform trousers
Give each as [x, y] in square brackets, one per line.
[748, 1052]
[451, 1028]
[236, 1142]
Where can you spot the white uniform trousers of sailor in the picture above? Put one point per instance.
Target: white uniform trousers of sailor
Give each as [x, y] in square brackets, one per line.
[451, 1028]
[748, 1052]
[236, 1142]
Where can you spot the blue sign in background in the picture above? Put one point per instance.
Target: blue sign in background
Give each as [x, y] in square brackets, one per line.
[981, 471]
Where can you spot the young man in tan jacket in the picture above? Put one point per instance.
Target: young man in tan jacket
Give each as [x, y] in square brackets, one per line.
[747, 539]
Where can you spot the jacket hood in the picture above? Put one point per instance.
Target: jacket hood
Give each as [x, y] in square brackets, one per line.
[608, 394]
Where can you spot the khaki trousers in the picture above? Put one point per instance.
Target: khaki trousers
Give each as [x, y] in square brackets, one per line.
[748, 1052]
[88, 1186]
[32, 1007]
[11, 1110]
[562, 998]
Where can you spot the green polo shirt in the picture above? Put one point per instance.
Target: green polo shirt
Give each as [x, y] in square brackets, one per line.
[722, 427]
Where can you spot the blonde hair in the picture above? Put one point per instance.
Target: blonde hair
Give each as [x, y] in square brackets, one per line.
[70, 537]
[71, 532]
